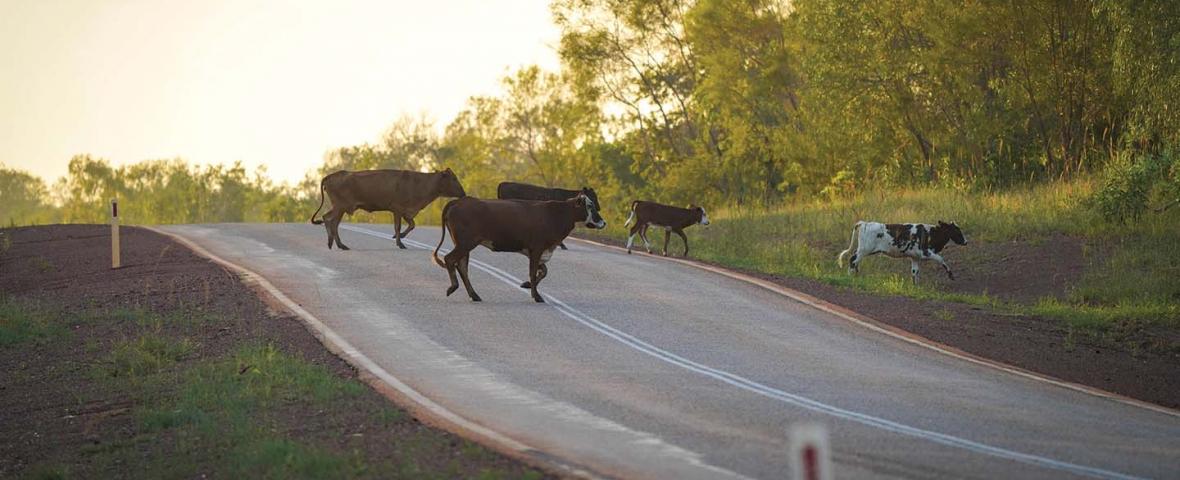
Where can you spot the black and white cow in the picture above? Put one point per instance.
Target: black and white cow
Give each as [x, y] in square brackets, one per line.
[918, 241]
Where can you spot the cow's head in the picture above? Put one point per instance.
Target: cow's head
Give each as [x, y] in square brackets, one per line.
[449, 186]
[589, 193]
[700, 211]
[953, 232]
[593, 219]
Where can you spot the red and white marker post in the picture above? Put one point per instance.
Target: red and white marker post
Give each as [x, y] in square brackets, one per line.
[810, 456]
[115, 263]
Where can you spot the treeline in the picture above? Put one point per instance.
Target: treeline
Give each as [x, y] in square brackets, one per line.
[760, 101]
[150, 192]
[757, 102]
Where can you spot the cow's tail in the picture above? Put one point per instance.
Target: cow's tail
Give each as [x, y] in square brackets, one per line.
[317, 209]
[445, 209]
[632, 217]
[851, 243]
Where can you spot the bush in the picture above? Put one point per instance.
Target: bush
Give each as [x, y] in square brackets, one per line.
[1132, 184]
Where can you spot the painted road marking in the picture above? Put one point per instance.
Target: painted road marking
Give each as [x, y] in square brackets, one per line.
[341, 347]
[771, 392]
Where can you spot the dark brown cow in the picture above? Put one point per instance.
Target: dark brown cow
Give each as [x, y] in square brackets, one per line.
[524, 191]
[402, 192]
[671, 219]
[528, 227]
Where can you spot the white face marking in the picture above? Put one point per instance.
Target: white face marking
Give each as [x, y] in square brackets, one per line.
[590, 215]
[704, 217]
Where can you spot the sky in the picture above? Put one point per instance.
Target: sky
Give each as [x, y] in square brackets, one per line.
[273, 83]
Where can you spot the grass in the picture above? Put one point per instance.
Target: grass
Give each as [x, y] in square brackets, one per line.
[22, 322]
[230, 408]
[1135, 276]
[249, 410]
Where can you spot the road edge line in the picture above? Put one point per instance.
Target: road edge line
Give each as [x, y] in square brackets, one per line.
[901, 334]
[384, 382]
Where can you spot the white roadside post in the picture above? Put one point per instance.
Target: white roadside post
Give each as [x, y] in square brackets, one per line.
[810, 456]
[115, 233]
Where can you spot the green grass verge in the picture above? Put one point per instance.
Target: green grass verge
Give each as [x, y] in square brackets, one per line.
[236, 414]
[22, 322]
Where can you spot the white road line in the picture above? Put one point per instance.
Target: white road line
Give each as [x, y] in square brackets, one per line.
[771, 392]
[342, 347]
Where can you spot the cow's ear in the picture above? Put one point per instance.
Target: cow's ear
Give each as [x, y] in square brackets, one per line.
[942, 223]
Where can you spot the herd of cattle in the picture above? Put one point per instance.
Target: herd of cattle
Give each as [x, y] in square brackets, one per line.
[534, 221]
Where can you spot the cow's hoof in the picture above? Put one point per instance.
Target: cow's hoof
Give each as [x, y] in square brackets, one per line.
[403, 247]
[475, 298]
[562, 246]
[452, 290]
[538, 299]
[628, 251]
[526, 285]
[342, 247]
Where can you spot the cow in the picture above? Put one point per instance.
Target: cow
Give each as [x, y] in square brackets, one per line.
[918, 241]
[524, 191]
[532, 228]
[402, 192]
[671, 219]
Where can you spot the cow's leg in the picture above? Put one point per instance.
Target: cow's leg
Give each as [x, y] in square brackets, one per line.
[397, 231]
[667, 235]
[631, 237]
[643, 235]
[334, 228]
[527, 283]
[534, 275]
[327, 219]
[938, 258]
[409, 227]
[466, 281]
[860, 255]
[544, 271]
[449, 260]
[456, 261]
[685, 239]
[914, 270]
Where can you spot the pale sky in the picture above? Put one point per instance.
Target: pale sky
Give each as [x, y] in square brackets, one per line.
[266, 82]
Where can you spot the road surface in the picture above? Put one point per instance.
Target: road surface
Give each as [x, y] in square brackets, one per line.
[643, 368]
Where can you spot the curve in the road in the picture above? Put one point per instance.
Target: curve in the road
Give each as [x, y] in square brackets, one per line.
[342, 347]
[772, 392]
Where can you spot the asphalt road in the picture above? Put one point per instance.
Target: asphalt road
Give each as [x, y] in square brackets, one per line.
[639, 367]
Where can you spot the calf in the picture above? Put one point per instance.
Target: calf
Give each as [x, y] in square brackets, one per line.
[524, 191]
[528, 227]
[918, 241]
[671, 219]
[402, 192]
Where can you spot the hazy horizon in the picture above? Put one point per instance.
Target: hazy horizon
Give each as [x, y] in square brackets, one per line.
[268, 83]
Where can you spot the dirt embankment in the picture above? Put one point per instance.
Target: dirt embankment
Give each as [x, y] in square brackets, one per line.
[65, 412]
[1141, 362]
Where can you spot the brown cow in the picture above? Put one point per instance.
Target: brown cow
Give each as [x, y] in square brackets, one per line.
[524, 191]
[671, 219]
[402, 192]
[533, 228]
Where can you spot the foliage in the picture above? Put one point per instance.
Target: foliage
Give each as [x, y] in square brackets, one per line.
[1132, 184]
[23, 198]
